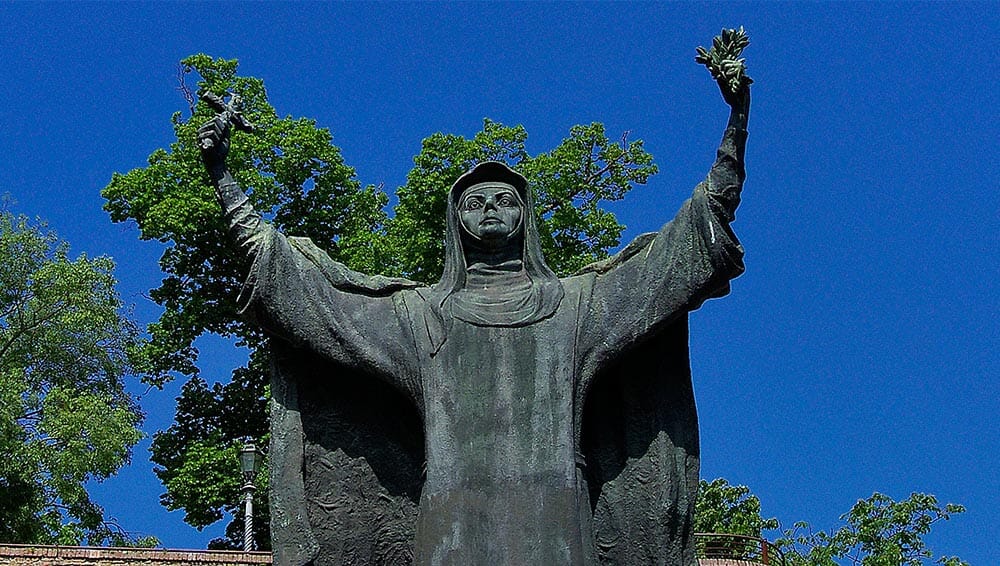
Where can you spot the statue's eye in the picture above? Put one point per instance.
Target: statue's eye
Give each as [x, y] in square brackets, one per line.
[505, 200]
[473, 203]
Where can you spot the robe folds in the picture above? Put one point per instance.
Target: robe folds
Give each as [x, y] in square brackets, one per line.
[406, 430]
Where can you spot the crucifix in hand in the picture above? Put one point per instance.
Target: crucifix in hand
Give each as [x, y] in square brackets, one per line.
[229, 114]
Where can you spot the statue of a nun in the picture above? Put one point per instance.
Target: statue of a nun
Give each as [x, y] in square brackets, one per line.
[503, 416]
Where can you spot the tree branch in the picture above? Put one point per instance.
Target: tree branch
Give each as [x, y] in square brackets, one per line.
[34, 325]
[184, 89]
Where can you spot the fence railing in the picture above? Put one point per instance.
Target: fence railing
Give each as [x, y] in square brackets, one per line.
[720, 546]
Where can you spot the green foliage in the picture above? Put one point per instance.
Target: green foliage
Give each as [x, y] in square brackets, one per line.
[65, 417]
[570, 184]
[298, 181]
[730, 509]
[878, 531]
[573, 182]
[197, 457]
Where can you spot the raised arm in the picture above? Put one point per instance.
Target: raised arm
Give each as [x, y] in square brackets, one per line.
[245, 225]
[295, 292]
[725, 178]
[691, 259]
[724, 183]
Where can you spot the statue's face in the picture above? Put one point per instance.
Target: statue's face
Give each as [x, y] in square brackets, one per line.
[491, 213]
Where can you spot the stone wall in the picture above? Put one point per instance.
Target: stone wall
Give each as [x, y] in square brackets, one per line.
[33, 555]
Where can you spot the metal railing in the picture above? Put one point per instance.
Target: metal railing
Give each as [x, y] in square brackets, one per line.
[721, 546]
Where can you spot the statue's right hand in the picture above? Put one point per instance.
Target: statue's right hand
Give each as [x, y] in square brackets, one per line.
[213, 140]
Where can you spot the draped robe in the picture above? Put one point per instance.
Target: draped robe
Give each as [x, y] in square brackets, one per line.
[406, 430]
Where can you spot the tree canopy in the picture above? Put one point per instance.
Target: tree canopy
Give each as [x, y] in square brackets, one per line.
[298, 180]
[877, 531]
[66, 350]
[732, 509]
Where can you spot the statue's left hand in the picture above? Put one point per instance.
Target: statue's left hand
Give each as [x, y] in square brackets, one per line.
[739, 99]
[727, 68]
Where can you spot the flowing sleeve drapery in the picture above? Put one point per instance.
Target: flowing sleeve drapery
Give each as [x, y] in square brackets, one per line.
[636, 415]
[297, 293]
[342, 445]
[691, 259]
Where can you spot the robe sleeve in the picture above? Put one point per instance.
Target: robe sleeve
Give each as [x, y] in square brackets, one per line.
[290, 295]
[691, 259]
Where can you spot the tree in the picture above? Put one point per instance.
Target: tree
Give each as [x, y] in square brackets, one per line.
[731, 509]
[878, 531]
[571, 183]
[66, 350]
[197, 456]
[298, 180]
[301, 183]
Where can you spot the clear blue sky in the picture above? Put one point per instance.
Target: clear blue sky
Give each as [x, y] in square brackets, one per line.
[857, 354]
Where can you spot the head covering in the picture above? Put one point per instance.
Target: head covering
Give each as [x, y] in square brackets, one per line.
[546, 290]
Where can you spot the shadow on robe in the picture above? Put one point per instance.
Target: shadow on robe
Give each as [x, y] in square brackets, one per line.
[640, 441]
[348, 450]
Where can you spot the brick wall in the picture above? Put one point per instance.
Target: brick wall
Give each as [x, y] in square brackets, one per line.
[31, 555]
[27, 555]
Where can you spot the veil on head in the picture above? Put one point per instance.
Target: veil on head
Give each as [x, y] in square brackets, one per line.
[547, 291]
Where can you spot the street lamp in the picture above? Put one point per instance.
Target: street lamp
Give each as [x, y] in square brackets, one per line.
[249, 463]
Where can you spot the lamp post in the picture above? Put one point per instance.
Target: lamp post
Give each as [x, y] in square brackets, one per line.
[249, 462]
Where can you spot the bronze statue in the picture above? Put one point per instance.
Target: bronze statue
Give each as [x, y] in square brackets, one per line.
[503, 415]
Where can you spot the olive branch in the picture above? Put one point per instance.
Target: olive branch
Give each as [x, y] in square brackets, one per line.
[723, 59]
